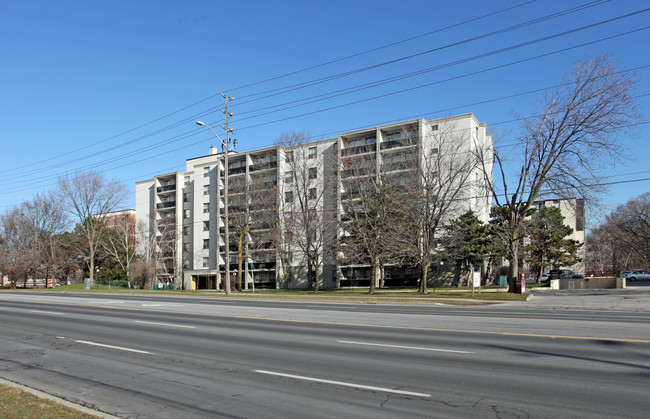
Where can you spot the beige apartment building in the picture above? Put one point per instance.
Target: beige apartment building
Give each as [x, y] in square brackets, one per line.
[181, 215]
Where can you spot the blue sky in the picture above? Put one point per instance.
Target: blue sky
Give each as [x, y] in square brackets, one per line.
[117, 85]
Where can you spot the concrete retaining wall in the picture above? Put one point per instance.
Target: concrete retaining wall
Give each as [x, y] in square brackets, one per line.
[587, 283]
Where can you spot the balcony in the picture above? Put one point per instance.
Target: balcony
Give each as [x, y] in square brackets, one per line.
[166, 188]
[263, 166]
[359, 150]
[404, 142]
[237, 171]
[166, 204]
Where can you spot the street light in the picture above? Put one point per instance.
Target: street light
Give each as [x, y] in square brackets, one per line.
[226, 147]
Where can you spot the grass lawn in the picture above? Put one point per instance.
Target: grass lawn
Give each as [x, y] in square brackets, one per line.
[451, 295]
[17, 403]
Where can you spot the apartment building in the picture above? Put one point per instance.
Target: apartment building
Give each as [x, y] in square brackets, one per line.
[285, 205]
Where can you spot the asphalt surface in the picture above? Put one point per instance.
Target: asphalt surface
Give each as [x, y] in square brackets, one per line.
[558, 355]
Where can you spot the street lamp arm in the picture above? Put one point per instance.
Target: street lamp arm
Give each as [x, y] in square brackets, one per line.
[203, 124]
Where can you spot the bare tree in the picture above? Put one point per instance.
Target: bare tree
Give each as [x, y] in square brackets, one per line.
[622, 241]
[252, 212]
[87, 197]
[374, 224]
[577, 132]
[119, 242]
[303, 200]
[442, 185]
[13, 246]
[143, 270]
[45, 219]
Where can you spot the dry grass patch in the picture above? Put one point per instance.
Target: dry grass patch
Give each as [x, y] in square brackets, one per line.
[17, 403]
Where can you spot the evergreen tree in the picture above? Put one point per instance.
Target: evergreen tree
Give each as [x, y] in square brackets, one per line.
[467, 243]
[547, 243]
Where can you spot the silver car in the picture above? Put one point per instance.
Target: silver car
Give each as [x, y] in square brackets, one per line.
[640, 275]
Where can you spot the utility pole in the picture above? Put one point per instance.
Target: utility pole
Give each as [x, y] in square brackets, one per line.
[226, 144]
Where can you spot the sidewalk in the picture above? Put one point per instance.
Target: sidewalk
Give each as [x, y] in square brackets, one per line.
[633, 298]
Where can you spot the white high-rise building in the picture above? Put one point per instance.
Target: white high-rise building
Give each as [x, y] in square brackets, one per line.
[181, 219]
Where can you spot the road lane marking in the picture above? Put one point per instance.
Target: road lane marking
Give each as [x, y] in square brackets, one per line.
[161, 305]
[47, 312]
[86, 342]
[404, 347]
[430, 329]
[164, 324]
[343, 383]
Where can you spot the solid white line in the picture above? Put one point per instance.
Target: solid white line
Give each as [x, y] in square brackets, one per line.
[47, 312]
[112, 347]
[164, 324]
[404, 347]
[161, 305]
[344, 384]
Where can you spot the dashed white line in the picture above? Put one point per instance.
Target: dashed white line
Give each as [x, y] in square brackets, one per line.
[86, 342]
[343, 383]
[164, 324]
[47, 312]
[404, 347]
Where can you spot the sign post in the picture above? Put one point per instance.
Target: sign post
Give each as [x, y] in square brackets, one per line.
[476, 282]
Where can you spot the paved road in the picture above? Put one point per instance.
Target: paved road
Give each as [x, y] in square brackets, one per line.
[135, 356]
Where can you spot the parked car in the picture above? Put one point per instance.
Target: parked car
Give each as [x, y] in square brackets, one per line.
[632, 276]
[532, 278]
[563, 274]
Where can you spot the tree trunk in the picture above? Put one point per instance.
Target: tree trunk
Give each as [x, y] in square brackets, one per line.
[514, 270]
[373, 277]
[423, 279]
[239, 265]
[312, 268]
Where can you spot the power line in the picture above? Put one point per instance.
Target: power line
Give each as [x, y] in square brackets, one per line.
[445, 80]
[264, 81]
[297, 86]
[187, 135]
[41, 169]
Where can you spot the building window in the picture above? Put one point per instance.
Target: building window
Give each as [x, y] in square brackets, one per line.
[186, 231]
[312, 152]
[186, 213]
[206, 226]
[312, 172]
[288, 156]
[288, 197]
[434, 127]
[206, 262]
[312, 193]
[206, 189]
[206, 208]
[288, 177]
[186, 181]
[186, 197]
[206, 171]
[206, 243]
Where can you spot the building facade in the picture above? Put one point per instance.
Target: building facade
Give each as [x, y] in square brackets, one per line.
[285, 204]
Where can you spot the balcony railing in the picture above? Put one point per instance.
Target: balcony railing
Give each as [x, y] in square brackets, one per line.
[404, 142]
[237, 170]
[358, 150]
[168, 204]
[166, 188]
[263, 166]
